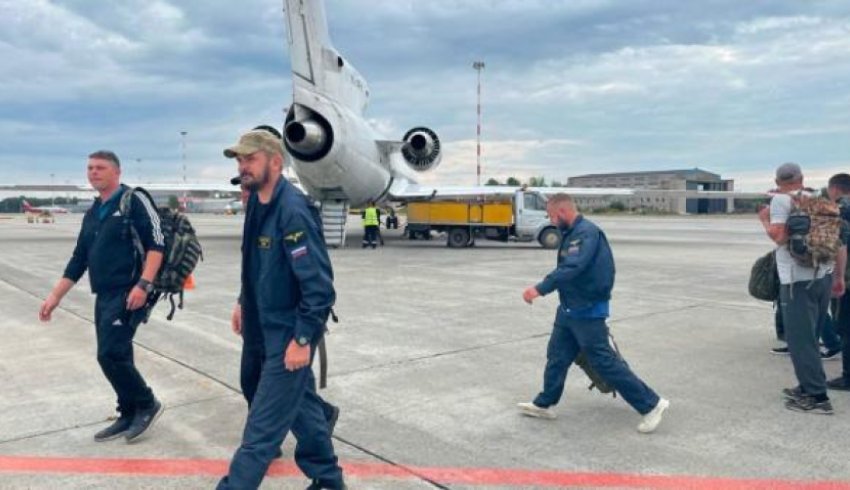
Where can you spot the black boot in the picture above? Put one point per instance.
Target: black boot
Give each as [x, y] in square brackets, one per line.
[116, 430]
[144, 420]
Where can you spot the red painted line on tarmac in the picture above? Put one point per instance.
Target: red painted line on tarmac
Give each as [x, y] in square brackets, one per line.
[367, 471]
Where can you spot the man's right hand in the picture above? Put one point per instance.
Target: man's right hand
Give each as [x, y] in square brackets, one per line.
[47, 307]
[236, 319]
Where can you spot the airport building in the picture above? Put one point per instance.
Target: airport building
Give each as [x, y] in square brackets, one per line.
[644, 183]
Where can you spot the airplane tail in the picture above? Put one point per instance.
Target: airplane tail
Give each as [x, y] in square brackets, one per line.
[27, 206]
[316, 64]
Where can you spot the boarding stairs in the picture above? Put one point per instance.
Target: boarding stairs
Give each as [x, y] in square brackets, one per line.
[334, 215]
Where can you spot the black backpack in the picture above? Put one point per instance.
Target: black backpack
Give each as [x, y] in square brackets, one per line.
[764, 278]
[182, 250]
[596, 380]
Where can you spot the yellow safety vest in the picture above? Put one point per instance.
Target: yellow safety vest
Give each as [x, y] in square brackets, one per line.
[371, 217]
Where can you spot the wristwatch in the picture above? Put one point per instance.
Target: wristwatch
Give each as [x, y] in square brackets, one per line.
[145, 285]
[303, 341]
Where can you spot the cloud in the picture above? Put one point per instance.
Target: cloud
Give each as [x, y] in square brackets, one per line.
[569, 87]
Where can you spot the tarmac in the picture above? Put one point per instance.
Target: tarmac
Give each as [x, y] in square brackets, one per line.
[433, 350]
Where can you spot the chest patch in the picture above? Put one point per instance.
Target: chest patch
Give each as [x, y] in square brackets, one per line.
[264, 242]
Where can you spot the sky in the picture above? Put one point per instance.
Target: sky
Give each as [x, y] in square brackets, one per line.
[569, 87]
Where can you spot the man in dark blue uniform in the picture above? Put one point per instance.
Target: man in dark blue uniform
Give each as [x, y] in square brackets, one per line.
[287, 293]
[122, 282]
[584, 279]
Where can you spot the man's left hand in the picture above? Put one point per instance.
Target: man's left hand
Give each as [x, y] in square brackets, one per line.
[137, 298]
[530, 294]
[296, 357]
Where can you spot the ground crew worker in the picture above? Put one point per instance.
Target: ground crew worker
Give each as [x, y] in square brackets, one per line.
[584, 278]
[122, 282]
[371, 221]
[287, 293]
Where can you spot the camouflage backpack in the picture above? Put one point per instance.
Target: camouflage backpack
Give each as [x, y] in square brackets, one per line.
[181, 255]
[814, 230]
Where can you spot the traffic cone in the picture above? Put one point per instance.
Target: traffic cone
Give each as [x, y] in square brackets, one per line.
[190, 283]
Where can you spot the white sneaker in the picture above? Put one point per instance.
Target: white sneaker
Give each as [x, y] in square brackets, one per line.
[532, 410]
[652, 419]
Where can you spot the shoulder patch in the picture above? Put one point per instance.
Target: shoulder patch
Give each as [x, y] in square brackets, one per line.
[294, 237]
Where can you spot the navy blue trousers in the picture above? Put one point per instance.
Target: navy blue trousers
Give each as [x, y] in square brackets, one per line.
[284, 401]
[569, 337]
[116, 327]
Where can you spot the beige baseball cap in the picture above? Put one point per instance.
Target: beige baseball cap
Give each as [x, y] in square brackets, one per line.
[254, 141]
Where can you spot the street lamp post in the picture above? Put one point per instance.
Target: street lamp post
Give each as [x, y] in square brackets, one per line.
[52, 191]
[478, 66]
[183, 143]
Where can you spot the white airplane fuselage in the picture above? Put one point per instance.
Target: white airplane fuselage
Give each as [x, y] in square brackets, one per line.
[335, 152]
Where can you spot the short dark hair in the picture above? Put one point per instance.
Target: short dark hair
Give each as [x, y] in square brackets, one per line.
[840, 182]
[107, 155]
[560, 198]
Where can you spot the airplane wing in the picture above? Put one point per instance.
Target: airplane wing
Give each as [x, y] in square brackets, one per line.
[406, 191]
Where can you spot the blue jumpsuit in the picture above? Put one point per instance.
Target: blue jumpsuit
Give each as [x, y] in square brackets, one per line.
[287, 293]
[584, 279]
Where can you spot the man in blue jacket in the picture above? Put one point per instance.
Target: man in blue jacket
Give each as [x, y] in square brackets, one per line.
[287, 293]
[584, 278]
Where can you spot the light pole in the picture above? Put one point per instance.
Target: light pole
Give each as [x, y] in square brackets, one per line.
[183, 143]
[52, 191]
[478, 66]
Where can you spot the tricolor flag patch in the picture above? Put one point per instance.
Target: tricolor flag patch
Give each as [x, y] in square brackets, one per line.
[299, 252]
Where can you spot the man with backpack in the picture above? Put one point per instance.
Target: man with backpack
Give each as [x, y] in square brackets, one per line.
[838, 189]
[122, 281]
[584, 279]
[286, 297]
[806, 230]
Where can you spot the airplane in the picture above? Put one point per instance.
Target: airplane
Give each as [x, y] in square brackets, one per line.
[29, 208]
[339, 158]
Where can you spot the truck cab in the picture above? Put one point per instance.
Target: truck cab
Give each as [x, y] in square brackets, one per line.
[531, 222]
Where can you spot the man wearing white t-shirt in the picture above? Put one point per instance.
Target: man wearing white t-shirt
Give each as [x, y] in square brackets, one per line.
[803, 299]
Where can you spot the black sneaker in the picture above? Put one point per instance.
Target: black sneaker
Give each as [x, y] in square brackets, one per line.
[779, 350]
[334, 416]
[830, 354]
[318, 485]
[808, 404]
[114, 431]
[793, 393]
[839, 384]
[143, 421]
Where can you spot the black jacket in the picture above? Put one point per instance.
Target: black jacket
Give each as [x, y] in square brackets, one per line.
[105, 245]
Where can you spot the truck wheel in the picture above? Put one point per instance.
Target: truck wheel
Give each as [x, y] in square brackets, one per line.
[550, 238]
[458, 238]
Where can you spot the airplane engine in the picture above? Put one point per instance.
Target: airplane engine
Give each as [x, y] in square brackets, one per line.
[421, 149]
[308, 138]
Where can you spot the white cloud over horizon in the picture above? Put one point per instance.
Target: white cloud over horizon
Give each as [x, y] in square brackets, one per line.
[569, 87]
